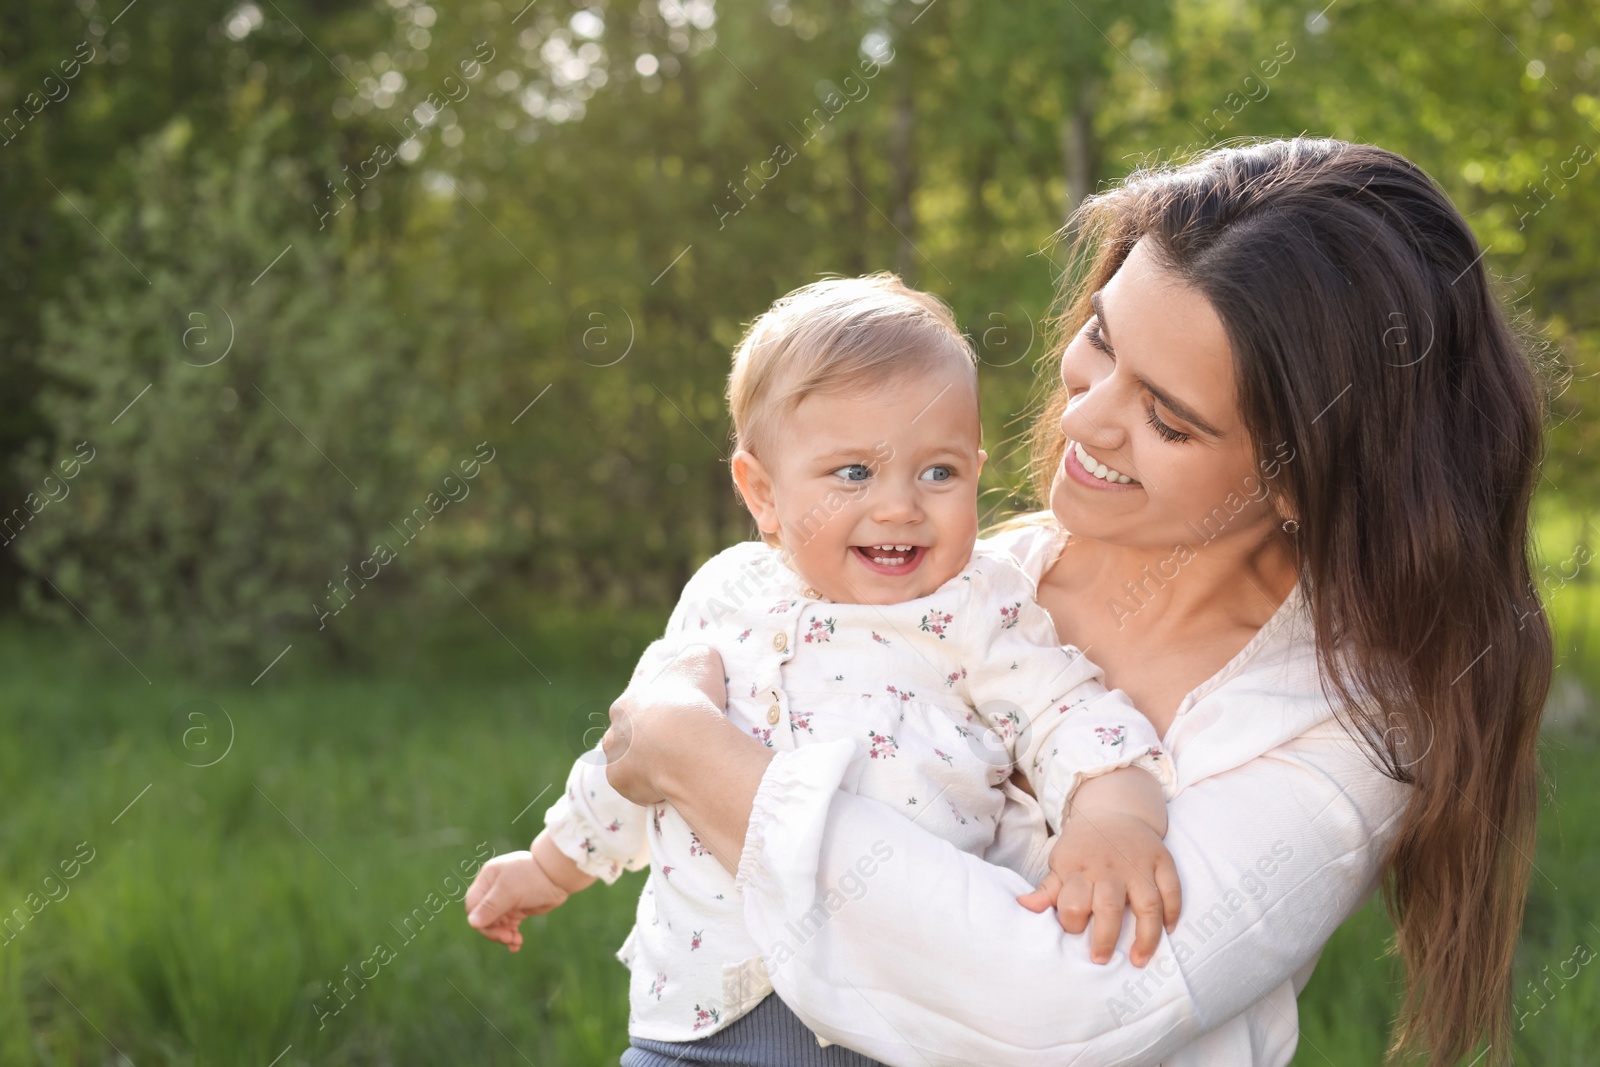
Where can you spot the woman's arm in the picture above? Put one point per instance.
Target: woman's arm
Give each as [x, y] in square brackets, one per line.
[883, 937]
[669, 740]
[887, 939]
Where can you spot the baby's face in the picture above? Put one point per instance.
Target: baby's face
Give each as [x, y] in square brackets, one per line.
[876, 495]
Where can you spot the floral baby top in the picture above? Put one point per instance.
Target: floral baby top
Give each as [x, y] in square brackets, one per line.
[944, 695]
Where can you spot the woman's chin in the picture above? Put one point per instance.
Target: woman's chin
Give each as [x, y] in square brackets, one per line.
[1069, 511]
[1075, 513]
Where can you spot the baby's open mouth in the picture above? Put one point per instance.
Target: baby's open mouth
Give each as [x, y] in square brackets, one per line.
[889, 559]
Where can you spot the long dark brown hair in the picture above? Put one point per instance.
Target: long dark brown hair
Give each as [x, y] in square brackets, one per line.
[1365, 334]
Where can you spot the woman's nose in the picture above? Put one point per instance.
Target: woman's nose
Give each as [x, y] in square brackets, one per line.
[1091, 413]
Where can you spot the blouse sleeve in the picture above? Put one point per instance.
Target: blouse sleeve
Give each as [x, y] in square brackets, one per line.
[595, 826]
[591, 823]
[1045, 699]
[876, 931]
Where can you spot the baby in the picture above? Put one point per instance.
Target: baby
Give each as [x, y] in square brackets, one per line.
[869, 610]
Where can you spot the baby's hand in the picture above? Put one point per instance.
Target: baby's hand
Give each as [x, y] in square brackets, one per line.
[511, 887]
[1110, 855]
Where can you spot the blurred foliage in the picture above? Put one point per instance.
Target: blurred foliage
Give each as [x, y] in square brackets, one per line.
[209, 511]
[576, 207]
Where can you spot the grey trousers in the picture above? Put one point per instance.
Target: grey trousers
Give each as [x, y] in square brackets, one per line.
[770, 1035]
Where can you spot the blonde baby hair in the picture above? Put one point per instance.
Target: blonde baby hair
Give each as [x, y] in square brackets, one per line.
[829, 336]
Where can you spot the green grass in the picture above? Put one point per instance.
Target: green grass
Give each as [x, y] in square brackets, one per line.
[219, 905]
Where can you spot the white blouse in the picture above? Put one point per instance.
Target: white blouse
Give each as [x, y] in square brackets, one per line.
[941, 696]
[1279, 826]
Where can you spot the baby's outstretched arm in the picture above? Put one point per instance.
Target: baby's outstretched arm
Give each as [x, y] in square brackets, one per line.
[1110, 855]
[511, 887]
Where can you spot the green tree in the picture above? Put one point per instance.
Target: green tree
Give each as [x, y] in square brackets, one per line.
[255, 414]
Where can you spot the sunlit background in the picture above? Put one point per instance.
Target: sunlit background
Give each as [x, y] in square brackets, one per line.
[362, 367]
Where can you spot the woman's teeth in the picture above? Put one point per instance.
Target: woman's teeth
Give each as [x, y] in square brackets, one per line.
[1096, 468]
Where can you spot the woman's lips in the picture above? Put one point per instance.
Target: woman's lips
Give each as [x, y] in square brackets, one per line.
[1076, 472]
[913, 559]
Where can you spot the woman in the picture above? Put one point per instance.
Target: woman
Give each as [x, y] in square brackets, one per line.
[1315, 582]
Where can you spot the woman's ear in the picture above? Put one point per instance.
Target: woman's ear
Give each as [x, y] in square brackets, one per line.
[754, 483]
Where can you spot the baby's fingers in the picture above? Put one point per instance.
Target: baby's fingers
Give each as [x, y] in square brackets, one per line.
[1044, 896]
[497, 931]
[507, 929]
[1110, 897]
[489, 909]
[1171, 892]
[1075, 903]
[481, 886]
[1145, 899]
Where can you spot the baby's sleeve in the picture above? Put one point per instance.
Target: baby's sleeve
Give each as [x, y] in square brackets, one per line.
[1047, 700]
[594, 825]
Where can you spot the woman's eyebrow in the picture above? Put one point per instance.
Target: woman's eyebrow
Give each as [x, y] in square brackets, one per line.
[1181, 410]
[1100, 313]
[1172, 403]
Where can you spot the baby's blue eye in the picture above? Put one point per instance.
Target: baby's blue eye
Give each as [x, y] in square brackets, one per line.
[939, 473]
[855, 472]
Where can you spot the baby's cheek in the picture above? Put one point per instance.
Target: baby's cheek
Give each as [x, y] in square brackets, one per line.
[819, 559]
[958, 536]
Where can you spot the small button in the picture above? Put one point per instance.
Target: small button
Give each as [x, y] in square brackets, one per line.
[773, 714]
[811, 594]
[780, 641]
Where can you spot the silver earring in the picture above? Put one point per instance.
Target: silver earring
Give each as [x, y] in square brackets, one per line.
[1290, 526]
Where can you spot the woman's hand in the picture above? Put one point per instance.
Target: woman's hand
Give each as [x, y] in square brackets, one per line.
[656, 716]
[670, 741]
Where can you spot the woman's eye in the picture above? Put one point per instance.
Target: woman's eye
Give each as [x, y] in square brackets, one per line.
[1167, 432]
[1092, 332]
[855, 472]
[938, 473]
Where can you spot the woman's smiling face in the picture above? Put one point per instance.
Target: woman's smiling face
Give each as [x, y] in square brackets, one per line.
[1156, 455]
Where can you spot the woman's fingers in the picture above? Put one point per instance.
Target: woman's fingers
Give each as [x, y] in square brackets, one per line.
[627, 762]
[618, 737]
[641, 718]
[702, 666]
[1110, 897]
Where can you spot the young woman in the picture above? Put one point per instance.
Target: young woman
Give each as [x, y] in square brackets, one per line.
[1289, 466]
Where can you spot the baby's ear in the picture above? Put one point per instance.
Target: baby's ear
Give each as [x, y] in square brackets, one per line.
[982, 455]
[754, 483]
